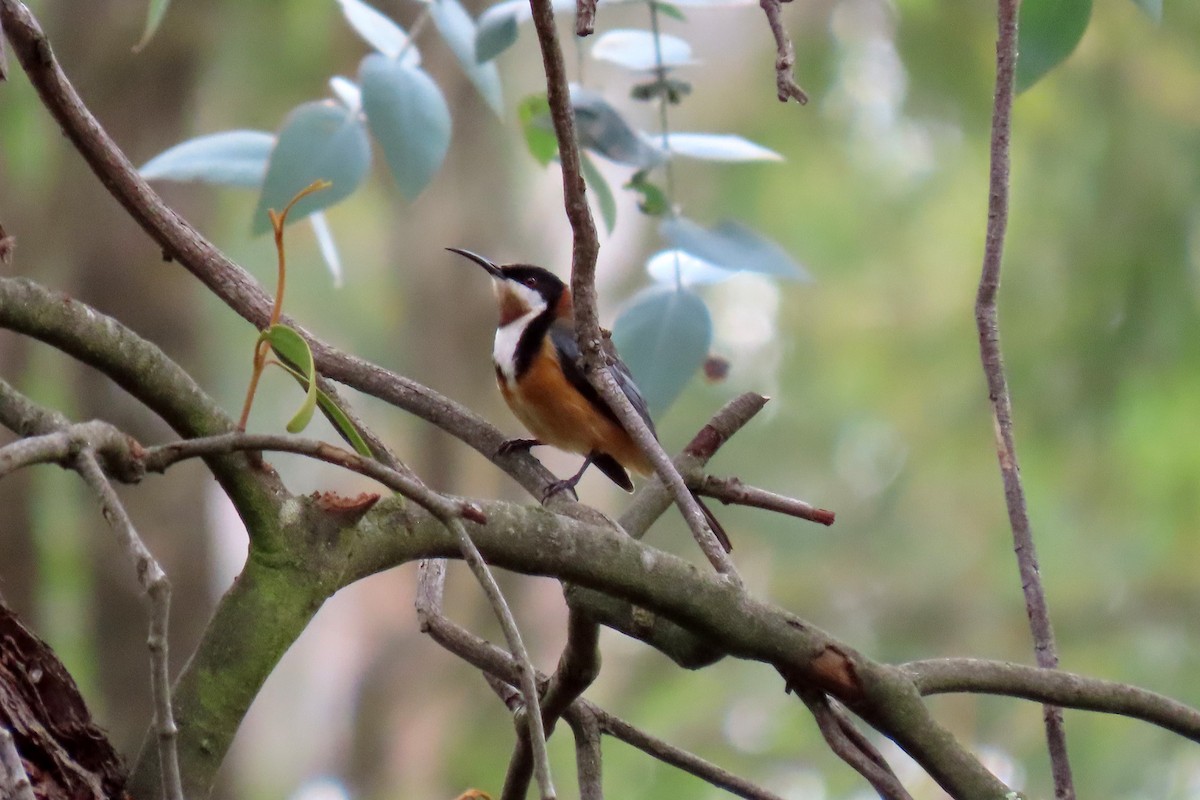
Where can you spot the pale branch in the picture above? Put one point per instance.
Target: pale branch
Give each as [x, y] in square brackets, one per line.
[585, 248]
[585, 18]
[16, 783]
[158, 596]
[835, 730]
[988, 326]
[235, 287]
[1055, 687]
[786, 87]
[587, 753]
[3, 78]
[734, 491]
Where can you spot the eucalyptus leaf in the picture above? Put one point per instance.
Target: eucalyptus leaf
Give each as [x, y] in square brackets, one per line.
[379, 31]
[663, 336]
[534, 114]
[320, 140]
[732, 246]
[293, 350]
[601, 190]
[154, 18]
[230, 158]
[496, 29]
[635, 49]
[674, 267]
[458, 29]
[347, 91]
[1152, 8]
[408, 117]
[327, 246]
[1048, 31]
[604, 131]
[718, 147]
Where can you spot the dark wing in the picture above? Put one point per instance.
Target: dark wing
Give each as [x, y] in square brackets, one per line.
[613, 469]
[562, 336]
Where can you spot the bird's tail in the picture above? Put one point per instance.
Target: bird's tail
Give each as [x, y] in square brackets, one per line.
[717, 528]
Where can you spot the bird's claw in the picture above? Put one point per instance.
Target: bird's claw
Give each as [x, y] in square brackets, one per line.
[511, 446]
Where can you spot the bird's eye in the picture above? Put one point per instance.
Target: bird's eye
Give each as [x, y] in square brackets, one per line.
[531, 282]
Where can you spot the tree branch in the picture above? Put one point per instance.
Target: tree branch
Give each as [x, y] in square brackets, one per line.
[785, 55]
[838, 734]
[987, 323]
[732, 490]
[16, 781]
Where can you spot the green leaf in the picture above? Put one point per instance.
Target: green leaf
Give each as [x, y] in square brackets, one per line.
[336, 416]
[654, 199]
[1152, 9]
[292, 350]
[663, 335]
[496, 30]
[154, 18]
[604, 195]
[733, 246]
[231, 158]
[408, 117]
[1048, 31]
[458, 29]
[534, 114]
[669, 10]
[379, 31]
[321, 140]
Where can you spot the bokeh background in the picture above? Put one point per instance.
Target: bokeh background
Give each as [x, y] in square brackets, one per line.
[879, 408]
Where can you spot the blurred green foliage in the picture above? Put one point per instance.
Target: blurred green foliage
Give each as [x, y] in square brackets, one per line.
[879, 408]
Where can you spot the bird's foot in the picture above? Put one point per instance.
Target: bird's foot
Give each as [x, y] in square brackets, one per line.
[559, 486]
[511, 446]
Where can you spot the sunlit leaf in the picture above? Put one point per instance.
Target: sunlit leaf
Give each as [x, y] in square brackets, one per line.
[635, 49]
[347, 91]
[679, 266]
[732, 246]
[663, 335]
[327, 246]
[458, 29]
[292, 349]
[231, 158]
[1152, 8]
[1048, 31]
[602, 191]
[379, 31]
[604, 131]
[408, 117]
[718, 147]
[321, 140]
[154, 18]
[534, 113]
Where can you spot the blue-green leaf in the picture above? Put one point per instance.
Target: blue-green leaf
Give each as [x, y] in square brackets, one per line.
[663, 335]
[321, 140]
[154, 18]
[1152, 8]
[458, 29]
[496, 29]
[718, 147]
[1048, 31]
[379, 31]
[601, 190]
[293, 350]
[674, 267]
[347, 91]
[231, 158]
[604, 131]
[327, 246]
[634, 49]
[408, 117]
[731, 245]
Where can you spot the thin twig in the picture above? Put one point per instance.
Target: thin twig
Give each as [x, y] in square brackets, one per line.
[15, 783]
[833, 727]
[785, 55]
[585, 17]
[158, 596]
[587, 753]
[583, 292]
[732, 490]
[987, 322]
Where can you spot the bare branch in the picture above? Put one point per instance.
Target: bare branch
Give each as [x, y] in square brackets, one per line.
[587, 753]
[988, 325]
[732, 490]
[836, 730]
[980, 676]
[785, 55]
[15, 783]
[585, 17]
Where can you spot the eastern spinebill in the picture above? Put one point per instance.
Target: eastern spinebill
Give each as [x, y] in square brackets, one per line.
[537, 369]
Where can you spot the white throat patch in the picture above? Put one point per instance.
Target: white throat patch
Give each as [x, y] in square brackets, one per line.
[504, 350]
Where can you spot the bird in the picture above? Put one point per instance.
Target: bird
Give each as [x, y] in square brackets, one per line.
[536, 358]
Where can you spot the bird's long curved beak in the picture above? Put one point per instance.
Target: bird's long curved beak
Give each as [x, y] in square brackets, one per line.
[491, 268]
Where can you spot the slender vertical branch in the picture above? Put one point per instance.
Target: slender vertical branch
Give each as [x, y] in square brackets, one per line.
[14, 781]
[987, 322]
